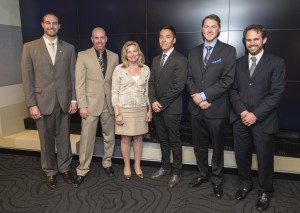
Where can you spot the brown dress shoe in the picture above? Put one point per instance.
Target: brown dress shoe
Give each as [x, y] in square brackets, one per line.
[68, 177]
[161, 172]
[51, 181]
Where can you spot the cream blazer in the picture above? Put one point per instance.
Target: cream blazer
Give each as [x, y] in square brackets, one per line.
[128, 93]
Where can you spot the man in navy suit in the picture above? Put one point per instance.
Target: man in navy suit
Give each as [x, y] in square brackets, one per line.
[258, 87]
[167, 80]
[211, 69]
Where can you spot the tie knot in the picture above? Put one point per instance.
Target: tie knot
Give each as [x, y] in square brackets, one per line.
[208, 48]
[51, 44]
[164, 55]
[253, 59]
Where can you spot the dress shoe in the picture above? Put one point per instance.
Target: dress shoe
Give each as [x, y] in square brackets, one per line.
[161, 172]
[51, 181]
[78, 180]
[241, 193]
[263, 202]
[140, 175]
[174, 180]
[68, 177]
[197, 182]
[109, 171]
[127, 177]
[218, 190]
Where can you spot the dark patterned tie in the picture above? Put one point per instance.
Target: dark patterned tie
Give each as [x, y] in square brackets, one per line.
[253, 66]
[208, 48]
[163, 60]
[101, 61]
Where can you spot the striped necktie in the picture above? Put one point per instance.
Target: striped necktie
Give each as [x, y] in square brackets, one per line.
[208, 48]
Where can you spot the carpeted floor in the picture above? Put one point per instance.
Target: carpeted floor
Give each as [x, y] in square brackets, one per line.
[23, 190]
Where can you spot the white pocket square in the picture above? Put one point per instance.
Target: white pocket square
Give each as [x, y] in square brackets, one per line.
[217, 61]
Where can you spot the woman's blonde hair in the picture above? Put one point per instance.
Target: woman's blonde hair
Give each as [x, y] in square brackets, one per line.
[141, 58]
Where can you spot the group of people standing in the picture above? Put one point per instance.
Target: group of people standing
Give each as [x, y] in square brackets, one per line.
[126, 96]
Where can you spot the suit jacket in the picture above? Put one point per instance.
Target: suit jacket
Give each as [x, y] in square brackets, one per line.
[260, 93]
[43, 81]
[92, 88]
[166, 84]
[214, 80]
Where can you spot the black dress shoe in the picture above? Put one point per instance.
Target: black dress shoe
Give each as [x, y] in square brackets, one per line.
[263, 202]
[161, 172]
[174, 180]
[197, 182]
[109, 171]
[68, 177]
[78, 180]
[218, 190]
[51, 181]
[241, 193]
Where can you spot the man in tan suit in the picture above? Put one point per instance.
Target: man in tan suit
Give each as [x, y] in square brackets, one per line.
[94, 68]
[48, 72]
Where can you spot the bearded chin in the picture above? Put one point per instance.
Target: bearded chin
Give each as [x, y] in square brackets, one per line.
[50, 35]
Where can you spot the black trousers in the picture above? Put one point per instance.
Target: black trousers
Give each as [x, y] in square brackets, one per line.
[245, 139]
[206, 130]
[167, 127]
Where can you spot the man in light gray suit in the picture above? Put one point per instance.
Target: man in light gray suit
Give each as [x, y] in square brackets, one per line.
[94, 68]
[48, 72]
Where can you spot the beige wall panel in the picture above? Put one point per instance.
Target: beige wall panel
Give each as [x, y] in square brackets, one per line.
[12, 119]
[10, 12]
[11, 95]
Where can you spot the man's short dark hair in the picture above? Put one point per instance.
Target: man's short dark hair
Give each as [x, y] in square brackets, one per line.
[168, 27]
[213, 17]
[257, 28]
[49, 13]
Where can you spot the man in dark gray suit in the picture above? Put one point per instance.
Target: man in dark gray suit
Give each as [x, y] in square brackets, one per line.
[211, 68]
[48, 72]
[258, 87]
[167, 80]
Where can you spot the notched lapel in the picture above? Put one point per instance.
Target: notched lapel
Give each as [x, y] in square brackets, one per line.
[94, 60]
[59, 51]
[259, 67]
[109, 68]
[44, 50]
[213, 56]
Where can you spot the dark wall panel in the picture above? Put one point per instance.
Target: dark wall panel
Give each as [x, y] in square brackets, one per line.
[117, 16]
[271, 14]
[32, 12]
[185, 16]
[140, 20]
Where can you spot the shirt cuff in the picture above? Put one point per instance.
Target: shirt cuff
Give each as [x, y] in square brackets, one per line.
[203, 96]
[74, 101]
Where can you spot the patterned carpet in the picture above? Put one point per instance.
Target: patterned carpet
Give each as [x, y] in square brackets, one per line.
[23, 190]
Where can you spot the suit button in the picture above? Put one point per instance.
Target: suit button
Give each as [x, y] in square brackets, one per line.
[250, 84]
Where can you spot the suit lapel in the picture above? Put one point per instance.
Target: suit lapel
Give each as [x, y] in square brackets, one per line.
[159, 69]
[109, 68]
[213, 56]
[59, 51]
[259, 67]
[169, 59]
[44, 50]
[95, 61]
